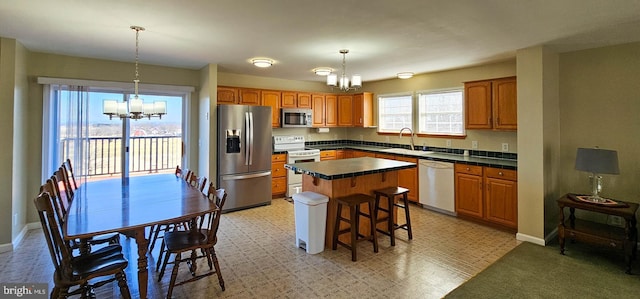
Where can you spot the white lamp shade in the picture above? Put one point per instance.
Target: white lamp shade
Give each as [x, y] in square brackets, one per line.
[160, 107]
[599, 161]
[135, 105]
[122, 108]
[148, 108]
[332, 79]
[356, 81]
[110, 107]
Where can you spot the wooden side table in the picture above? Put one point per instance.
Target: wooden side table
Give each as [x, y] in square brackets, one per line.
[597, 233]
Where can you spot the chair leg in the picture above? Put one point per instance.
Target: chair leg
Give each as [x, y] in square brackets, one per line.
[406, 212]
[355, 211]
[373, 228]
[212, 252]
[55, 293]
[122, 283]
[336, 228]
[390, 221]
[174, 273]
[152, 241]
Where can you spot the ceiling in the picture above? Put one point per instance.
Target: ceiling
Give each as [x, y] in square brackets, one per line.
[384, 37]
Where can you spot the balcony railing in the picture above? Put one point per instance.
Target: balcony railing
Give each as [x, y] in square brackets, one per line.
[146, 154]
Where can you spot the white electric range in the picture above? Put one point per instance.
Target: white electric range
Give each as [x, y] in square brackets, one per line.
[296, 152]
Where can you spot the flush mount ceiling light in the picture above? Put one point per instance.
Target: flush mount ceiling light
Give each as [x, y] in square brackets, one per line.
[343, 84]
[135, 108]
[405, 75]
[262, 62]
[322, 71]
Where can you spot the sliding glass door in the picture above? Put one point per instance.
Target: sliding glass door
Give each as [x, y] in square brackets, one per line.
[101, 147]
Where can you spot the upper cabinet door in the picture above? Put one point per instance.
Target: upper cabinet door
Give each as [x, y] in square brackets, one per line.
[289, 99]
[363, 109]
[345, 110]
[249, 96]
[331, 110]
[505, 100]
[317, 101]
[477, 96]
[272, 98]
[304, 100]
[227, 95]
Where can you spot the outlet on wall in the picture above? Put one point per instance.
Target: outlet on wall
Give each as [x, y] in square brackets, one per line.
[505, 147]
[448, 142]
[361, 137]
[474, 144]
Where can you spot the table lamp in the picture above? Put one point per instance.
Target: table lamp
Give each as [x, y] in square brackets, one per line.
[597, 161]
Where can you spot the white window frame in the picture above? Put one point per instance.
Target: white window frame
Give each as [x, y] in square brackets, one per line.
[422, 114]
[381, 98]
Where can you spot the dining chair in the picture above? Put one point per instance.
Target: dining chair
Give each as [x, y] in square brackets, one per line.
[82, 271]
[199, 241]
[69, 172]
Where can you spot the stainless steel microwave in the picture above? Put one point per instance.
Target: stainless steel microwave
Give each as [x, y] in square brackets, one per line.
[296, 118]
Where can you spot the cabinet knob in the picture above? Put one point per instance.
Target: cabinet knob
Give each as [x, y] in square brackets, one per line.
[468, 168]
[500, 173]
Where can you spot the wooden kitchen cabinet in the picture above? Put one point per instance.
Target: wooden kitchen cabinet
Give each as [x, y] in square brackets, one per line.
[487, 194]
[272, 98]
[227, 95]
[358, 154]
[249, 96]
[407, 178]
[505, 103]
[325, 110]
[292, 99]
[343, 154]
[278, 175]
[289, 99]
[363, 110]
[345, 110]
[327, 155]
[304, 100]
[468, 192]
[491, 104]
[501, 196]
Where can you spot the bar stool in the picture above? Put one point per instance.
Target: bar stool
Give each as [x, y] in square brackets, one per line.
[353, 202]
[390, 193]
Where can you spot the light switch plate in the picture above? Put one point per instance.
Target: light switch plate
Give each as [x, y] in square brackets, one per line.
[505, 147]
[474, 144]
[448, 142]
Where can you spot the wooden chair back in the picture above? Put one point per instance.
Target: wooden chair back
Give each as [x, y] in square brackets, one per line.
[178, 171]
[59, 249]
[60, 206]
[64, 187]
[69, 172]
[212, 221]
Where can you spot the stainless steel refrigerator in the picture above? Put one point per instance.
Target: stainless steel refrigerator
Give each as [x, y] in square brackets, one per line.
[244, 155]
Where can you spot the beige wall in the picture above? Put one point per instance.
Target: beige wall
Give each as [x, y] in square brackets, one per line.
[7, 100]
[207, 116]
[20, 146]
[600, 106]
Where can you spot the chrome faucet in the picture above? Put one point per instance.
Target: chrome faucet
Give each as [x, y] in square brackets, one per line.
[411, 132]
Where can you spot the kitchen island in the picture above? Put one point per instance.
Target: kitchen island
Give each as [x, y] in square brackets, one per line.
[337, 178]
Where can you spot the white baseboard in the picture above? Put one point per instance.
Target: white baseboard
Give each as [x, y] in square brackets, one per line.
[551, 236]
[530, 239]
[16, 242]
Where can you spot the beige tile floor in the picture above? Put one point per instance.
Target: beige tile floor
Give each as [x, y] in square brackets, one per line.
[258, 259]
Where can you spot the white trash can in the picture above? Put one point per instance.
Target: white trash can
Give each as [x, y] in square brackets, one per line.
[311, 218]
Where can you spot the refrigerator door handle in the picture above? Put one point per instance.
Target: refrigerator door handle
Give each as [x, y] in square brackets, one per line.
[251, 139]
[247, 126]
[245, 176]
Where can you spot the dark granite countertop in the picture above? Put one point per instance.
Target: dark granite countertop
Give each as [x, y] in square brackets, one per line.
[428, 155]
[346, 168]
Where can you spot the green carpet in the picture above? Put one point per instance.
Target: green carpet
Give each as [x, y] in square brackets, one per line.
[533, 271]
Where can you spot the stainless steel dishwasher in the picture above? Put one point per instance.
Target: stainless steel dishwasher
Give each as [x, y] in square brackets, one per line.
[437, 186]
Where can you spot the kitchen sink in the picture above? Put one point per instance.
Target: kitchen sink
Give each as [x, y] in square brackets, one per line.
[404, 151]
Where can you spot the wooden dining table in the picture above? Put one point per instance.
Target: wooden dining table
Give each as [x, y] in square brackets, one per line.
[129, 206]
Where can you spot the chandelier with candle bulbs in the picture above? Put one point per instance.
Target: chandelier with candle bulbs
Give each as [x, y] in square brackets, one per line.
[343, 82]
[135, 108]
